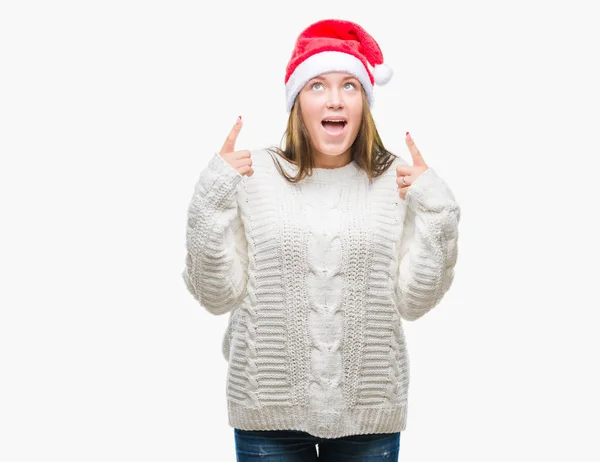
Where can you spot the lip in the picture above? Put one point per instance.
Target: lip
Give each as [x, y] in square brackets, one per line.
[335, 118]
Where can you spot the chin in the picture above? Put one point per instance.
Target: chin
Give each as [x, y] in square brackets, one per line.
[333, 152]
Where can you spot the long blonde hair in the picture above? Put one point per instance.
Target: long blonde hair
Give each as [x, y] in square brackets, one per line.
[367, 150]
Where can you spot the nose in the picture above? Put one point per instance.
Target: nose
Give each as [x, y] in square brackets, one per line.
[334, 101]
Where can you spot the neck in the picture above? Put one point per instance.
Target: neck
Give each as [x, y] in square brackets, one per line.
[347, 170]
[324, 161]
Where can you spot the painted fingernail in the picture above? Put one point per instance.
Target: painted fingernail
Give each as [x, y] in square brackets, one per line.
[239, 119]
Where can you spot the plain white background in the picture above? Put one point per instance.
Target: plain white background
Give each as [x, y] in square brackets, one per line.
[109, 111]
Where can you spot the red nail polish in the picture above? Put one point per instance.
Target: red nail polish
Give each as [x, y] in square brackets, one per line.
[406, 133]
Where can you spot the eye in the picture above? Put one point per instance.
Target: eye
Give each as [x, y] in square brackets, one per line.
[352, 84]
[315, 84]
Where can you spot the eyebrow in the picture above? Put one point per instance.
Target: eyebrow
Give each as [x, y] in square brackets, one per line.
[322, 79]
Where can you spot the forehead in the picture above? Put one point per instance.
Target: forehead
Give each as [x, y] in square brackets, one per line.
[334, 76]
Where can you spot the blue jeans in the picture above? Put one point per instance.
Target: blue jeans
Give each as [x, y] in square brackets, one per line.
[298, 446]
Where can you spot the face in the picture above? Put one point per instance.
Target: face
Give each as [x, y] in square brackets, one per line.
[331, 106]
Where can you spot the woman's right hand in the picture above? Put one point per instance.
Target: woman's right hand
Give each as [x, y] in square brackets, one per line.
[239, 160]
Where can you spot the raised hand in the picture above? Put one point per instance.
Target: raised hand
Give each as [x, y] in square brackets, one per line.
[407, 174]
[240, 160]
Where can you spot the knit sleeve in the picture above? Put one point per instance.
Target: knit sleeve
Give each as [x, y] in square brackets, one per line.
[428, 250]
[216, 262]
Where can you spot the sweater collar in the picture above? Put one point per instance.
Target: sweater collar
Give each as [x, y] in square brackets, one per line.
[333, 175]
[328, 175]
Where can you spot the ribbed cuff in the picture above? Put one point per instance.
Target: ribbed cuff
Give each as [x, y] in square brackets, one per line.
[319, 422]
[218, 183]
[429, 192]
[220, 165]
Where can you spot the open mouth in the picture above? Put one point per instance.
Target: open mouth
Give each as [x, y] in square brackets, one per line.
[334, 125]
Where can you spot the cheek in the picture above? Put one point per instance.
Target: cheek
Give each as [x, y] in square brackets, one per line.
[308, 102]
[357, 117]
[357, 111]
[307, 109]
[312, 120]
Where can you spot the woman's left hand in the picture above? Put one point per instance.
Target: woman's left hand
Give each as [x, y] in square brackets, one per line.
[406, 174]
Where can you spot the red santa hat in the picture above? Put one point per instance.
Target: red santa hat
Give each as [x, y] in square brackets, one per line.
[334, 45]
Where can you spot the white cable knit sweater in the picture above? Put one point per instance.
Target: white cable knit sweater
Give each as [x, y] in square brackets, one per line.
[317, 278]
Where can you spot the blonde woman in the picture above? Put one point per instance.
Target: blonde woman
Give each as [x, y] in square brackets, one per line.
[319, 250]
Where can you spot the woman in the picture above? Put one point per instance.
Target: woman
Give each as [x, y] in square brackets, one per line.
[317, 251]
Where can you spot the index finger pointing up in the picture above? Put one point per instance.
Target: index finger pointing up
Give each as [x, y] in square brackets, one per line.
[415, 153]
[229, 145]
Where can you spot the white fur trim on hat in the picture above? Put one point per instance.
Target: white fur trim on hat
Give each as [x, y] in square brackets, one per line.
[320, 63]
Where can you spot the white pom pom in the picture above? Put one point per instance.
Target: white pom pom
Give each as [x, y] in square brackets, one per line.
[382, 73]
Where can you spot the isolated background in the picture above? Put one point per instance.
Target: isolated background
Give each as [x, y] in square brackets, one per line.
[109, 111]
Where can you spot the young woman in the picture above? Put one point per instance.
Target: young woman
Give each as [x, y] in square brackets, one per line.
[318, 250]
